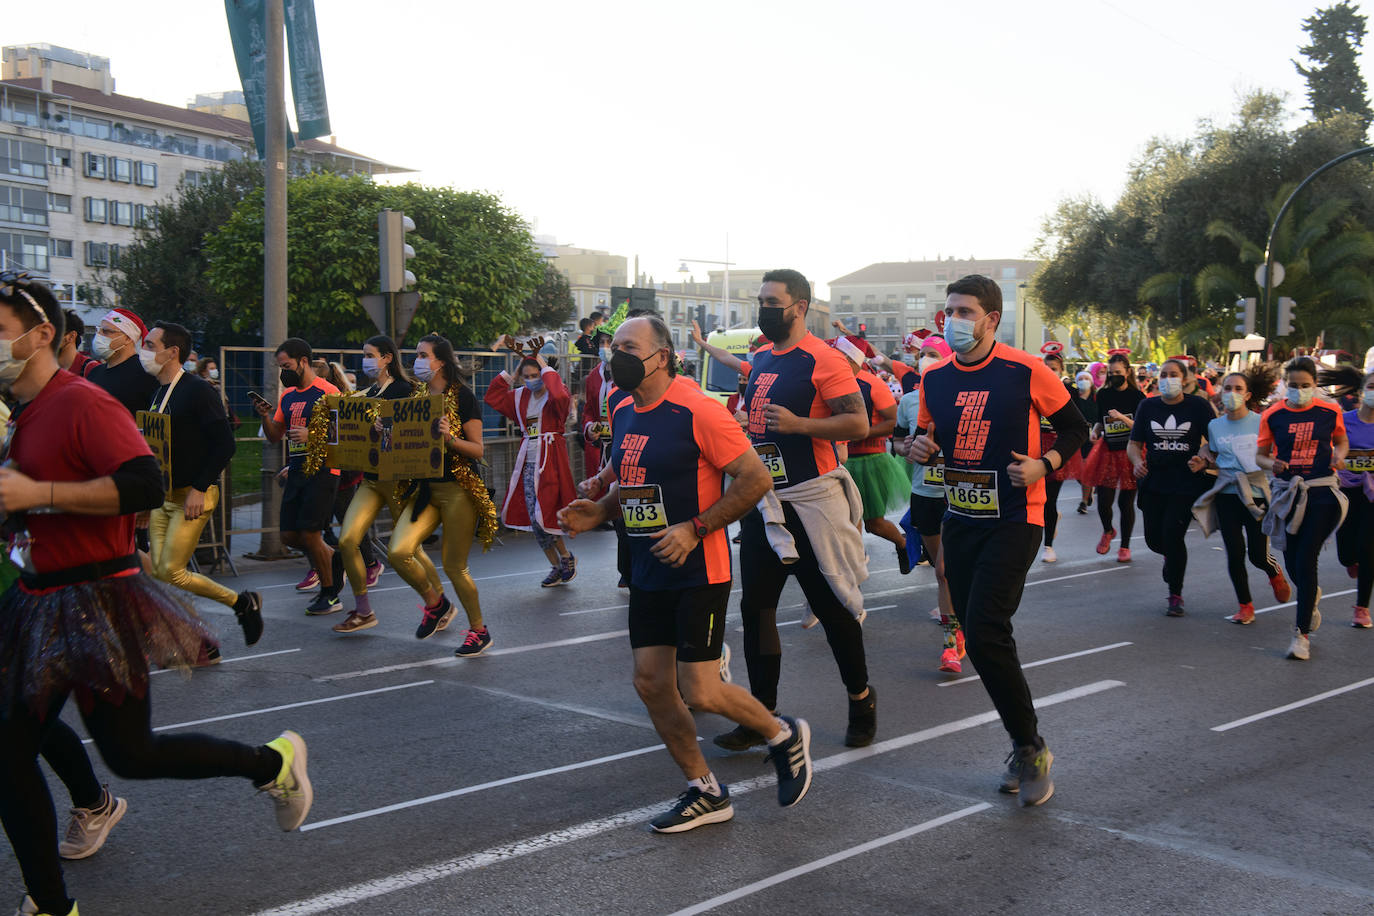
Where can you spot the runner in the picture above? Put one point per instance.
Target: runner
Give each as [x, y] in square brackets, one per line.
[1053, 358]
[801, 399]
[84, 619]
[1108, 469]
[1355, 537]
[1301, 442]
[1163, 451]
[672, 444]
[307, 503]
[1085, 399]
[458, 500]
[70, 356]
[202, 445]
[541, 483]
[596, 418]
[349, 481]
[928, 505]
[116, 343]
[1236, 502]
[983, 407]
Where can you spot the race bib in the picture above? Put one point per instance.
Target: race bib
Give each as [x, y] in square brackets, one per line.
[642, 509]
[772, 459]
[933, 475]
[972, 493]
[1360, 460]
[1116, 428]
[296, 448]
[532, 429]
[603, 431]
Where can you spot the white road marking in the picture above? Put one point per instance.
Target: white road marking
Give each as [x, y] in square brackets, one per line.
[881, 607]
[1276, 607]
[1043, 661]
[512, 650]
[1289, 707]
[379, 887]
[593, 610]
[739, 893]
[1029, 583]
[607, 715]
[239, 658]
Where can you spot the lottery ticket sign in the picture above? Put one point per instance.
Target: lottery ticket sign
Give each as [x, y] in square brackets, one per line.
[394, 439]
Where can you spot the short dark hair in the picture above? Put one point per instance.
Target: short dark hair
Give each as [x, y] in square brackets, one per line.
[175, 335]
[73, 323]
[984, 289]
[295, 348]
[583, 324]
[798, 287]
[33, 304]
[1301, 364]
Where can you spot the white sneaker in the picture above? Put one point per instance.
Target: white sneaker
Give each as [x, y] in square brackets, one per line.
[291, 790]
[1050, 556]
[725, 675]
[1299, 647]
[809, 620]
[936, 616]
[89, 827]
[1316, 613]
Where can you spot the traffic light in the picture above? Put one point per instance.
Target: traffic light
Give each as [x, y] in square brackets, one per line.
[392, 226]
[863, 330]
[634, 298]
[1245, 316]
[1285, 323]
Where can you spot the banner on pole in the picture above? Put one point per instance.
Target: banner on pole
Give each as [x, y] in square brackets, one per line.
[307, 70]
[248, 34]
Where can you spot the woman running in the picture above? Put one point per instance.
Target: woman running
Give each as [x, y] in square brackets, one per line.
[1163, 451]
[458, 500]
[1232, 445]
[1085, 399]
[382, 363]
[1108, 470]
[1355, 537]
[1301, 442]
[1054, 360]
[536, 400]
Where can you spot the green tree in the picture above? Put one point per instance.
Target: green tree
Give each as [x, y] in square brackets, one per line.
[474, 259]
[550, 304]
[1334, 82]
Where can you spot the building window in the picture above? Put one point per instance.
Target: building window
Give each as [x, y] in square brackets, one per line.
[23, 205]
[144, 214]
[93, 165]
[25, 252]
[59, 157]
[60, 248]
[20, 111]
[147, 174]
[60, 203]
[121, 213]
[121, 170]
[1008, 273]
[19, 157]
[870, 299]
[192, 178]
[97, 254]
[114, 255]
[95, 210]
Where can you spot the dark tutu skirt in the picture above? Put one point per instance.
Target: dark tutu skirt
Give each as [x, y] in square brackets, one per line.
[95, 639]
[1072, 469]
[882, 481]
[1106, 468]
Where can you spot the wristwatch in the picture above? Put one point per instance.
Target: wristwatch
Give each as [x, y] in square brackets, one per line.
[702, 530]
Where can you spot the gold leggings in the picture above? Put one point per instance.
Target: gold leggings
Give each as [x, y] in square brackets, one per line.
[173, 539]
[362, 512]
[452, 506]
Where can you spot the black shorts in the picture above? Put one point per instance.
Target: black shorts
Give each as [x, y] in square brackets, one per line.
[927, 514]
[691, 619]
[307, 503]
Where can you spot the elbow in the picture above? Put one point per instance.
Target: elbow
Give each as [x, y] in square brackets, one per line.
[860, 429]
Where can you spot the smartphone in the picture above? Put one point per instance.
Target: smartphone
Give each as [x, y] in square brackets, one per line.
[259, 399]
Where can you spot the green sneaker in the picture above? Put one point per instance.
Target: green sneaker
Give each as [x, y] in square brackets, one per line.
[1033, 783]
[291, 791]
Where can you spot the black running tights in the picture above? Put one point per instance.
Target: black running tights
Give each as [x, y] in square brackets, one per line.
[1052, 488]
[1303, 549]
[1355, 542]
[1166, 517]
[1242, 536]
[1125, 503]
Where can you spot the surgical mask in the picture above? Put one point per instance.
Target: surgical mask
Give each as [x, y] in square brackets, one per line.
[1232, 400]
[422, 369]
[148, 360]
[290, 378]
[959, 335]
[772, 323]
[605, 355]
[1170, 387]
[533, 385]
[1367, 397]
[1301, 397]
[909, 358]
[1116, 381]
[1084, 385]
[926, 362]
[102, 348]
[189, 365]
[214, 375]
[11, 368]
[627, 370]
[369, 367]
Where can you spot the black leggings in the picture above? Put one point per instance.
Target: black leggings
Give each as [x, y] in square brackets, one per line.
[763, 576]
[1052, 488]
[1166, 517]
[130, 749]
[1125, 502]
[1355, 542]
[1242, 535]
[63, 751]
[1303, 549]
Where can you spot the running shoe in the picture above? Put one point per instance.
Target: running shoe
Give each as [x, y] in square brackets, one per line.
[248, 610]
[1033, 783]
[474, 644]
[1082, 508]
[952, 656]
[1361, 618]
[1283, 592]
[792, 760]
[739, 738]
[355, 622]
[694, 808]
[1011, 776]
[309, 583]
[1316, 623]
[90, 826]
[1246, 614]
[430, 618]
[809, 619]
[28, 908]
[291, 791]
[1050, 556]
[555, 577]
[936, 616]
[1105, 543]
[323, 605]
[212, 656]
[1175, 608]
[374, 572]
[863, 720]
[903, 560]
[567, 568]
[1123, 555]
[725, 676]
[1299, 648]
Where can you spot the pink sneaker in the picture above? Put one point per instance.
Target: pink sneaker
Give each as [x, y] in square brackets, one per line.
[1362, 618]
[1105, 544]
[374, 572]
[1246, 614]
[1123, 555]
[309, 583]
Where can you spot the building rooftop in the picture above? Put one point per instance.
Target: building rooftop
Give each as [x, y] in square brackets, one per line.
[924, 271]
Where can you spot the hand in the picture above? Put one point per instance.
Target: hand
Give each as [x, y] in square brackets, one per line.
[445, 428]
[1338, 464]
[696, 334]
[194, 505]
[922, 449]
[18, 491]
[298, 433]
[580, 515]
[1025, 470]
[1197, 464]
[675, 543]
[281, 475]
[1140, 468]
[1279, 466]
[837, 325]
[779, 419]
[742, 419]
[1116, 415]
[263, 408]
[590, 488]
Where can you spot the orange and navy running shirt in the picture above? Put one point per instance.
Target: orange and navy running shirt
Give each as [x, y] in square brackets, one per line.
[1302, 437]
[877, 396]
[802, 379]
[982, 413]
[293, 409]
[670, 458]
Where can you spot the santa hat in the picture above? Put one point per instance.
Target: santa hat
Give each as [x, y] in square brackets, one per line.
[847, 346]
[864, 346]
[127, 323]
[913, 340]
[1053, 348]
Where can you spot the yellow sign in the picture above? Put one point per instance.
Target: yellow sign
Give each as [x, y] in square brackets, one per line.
[157, 432]
[394, 439]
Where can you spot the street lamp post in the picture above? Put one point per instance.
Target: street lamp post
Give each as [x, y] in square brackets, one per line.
[1021, 307]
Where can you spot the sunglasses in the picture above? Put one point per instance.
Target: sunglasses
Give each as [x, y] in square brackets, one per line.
[12, 284]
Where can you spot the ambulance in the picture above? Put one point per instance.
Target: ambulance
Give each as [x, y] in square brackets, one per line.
[718, 380]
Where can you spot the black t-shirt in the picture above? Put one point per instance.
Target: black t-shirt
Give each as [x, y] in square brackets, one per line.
[1125, 400]
[1171, 434]
[202, 440]
[128, 383]
[469, 408]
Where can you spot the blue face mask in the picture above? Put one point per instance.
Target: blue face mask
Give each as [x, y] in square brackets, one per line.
[534, 385]
[959, 335]
[369, 367]
[605, 355]
[1170, 387]
[422, 369]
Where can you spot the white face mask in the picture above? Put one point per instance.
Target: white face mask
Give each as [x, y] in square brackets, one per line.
[1232, 400]
[1301, 397]
[959, 334]
[1367, 397]
[909, 358]
[189, 365]
[11, 368]
[1084, 384]
[102, 348]
[926, 362]
[148, 359]
[214, 375]
[1170, 387]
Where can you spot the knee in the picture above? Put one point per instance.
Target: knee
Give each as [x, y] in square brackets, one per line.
[350, 541]
[654, 688]
[127, 759]
[291, 538]
[702, 697]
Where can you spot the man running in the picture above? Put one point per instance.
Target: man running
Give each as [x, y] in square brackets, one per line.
[801, 400]
[983, 408]
[670, 447]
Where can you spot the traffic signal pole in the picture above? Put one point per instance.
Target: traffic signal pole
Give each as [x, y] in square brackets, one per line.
[274, 324]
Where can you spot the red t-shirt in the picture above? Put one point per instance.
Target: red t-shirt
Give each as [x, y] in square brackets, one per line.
[74, 431]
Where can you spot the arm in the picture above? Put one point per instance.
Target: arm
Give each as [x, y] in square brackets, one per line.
[1136, 453]
[470, 446]
[1340, 447]
[558, 392]
[219, 436]
[751, 481]
[723, 357]
[847, 421]
[887, 423]
[135, 486]
[272, 427]
[501, 398]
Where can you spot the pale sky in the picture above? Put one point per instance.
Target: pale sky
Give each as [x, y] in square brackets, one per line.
[820, 136]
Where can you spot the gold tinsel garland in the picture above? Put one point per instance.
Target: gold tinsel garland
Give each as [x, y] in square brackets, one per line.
[487, 518]
[317, 438]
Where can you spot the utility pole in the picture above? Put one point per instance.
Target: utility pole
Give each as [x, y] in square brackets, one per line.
[274, 324]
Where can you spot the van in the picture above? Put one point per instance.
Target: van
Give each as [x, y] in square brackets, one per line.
[718, 380]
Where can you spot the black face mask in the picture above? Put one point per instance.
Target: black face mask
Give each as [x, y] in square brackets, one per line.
[772, 324]
[290, 378]
[1116, 381]
[627, 371]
